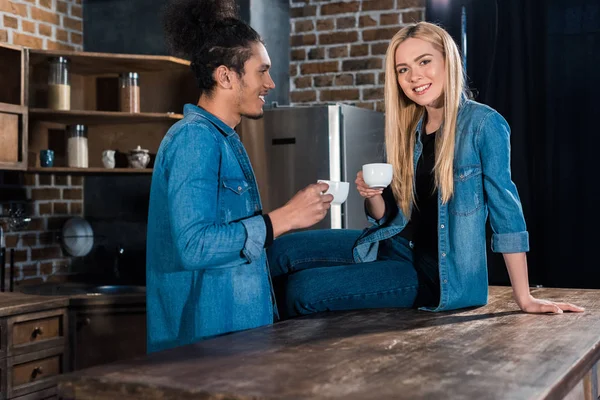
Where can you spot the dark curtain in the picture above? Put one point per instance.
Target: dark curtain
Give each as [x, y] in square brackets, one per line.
[529, 60]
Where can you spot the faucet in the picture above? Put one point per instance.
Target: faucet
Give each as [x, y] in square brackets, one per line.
[116, 265]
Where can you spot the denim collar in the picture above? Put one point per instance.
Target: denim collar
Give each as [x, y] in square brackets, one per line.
[222, 126]
[462, 102]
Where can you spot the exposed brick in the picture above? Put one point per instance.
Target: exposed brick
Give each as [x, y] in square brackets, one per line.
[29, 239]
[76, 208]
[45, 30]
[345, 22]
[370, 5]
[13, 8]
[46, 268]
[379, 48]
[27, 40]
[338, 52]
[304, 96]
[325, 24]
[45, 208]
[373, 94]
[11, 22]
[359, 50]
[56, 223]
[76, 11]
[61, 208]
[303, 40]
[379, 34]
[3, 35]
[321, 81]
[61, 180]
[58, 278]
[298, 55]
[20, 256]
[340, 8]
[319, 67]
[339, 95]
[11, 240]
[62, 7]
[47, 238]
[72, 194]
[45, 180]
[410, 4]
[361, 79]
[316, 53]
[411, 17]
[368, 106]
[306, 11]
[344, 80]
[76, 38]
[389, 19]
[28, 26]
[362, 64]
[62, 35]
[46, 16]
[381, 79]
[380, 106]
[366, 20]
[45, 3]
[36, 224]
[303, 82]
[78, 2]
[293, 70]
[76, 180]
[30, 179]
[338, 37]
[304, 26]
[74, 24]
[45, 253]
[29, 270]
[45, 194]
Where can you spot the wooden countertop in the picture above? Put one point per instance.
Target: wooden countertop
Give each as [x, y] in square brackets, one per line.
[12, 303]
[491, 352]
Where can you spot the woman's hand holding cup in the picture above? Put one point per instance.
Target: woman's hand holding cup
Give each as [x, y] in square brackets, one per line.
[364, 190]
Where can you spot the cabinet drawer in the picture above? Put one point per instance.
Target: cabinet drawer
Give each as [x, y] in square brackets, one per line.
[36, 331]
[36, 370]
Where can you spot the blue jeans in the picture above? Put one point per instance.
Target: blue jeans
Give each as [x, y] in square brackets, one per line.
[314, 271]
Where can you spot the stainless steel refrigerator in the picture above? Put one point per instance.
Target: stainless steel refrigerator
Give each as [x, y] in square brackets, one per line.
[292, 147]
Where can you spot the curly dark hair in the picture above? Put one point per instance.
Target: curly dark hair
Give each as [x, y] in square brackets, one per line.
[209, 34]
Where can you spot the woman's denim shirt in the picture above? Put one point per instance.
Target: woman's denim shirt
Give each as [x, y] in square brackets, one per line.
[482, 186]
[206, 267]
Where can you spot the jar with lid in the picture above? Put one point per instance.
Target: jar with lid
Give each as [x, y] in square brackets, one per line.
[59, 84]
[129, 92]
[77, 146]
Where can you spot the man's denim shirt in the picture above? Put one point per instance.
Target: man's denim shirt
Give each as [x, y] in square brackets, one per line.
[482, 186]
[206, 264]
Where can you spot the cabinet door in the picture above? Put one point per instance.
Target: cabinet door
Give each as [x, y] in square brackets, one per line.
[105, 335]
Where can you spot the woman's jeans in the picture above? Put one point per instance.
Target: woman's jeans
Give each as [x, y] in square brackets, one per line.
[314, 271]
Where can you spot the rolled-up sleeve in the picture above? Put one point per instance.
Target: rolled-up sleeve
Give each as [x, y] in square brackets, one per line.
[192, 165]
[391, 208]
[506, 214]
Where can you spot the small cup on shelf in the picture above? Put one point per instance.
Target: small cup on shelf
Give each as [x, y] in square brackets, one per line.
[46, 158]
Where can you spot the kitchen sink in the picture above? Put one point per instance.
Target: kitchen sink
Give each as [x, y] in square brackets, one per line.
[69, 289]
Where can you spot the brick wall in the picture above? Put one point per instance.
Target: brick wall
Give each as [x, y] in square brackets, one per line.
[338, 48]
[42, 24]
[48, 199]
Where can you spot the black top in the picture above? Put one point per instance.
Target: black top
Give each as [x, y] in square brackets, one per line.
[422, 227]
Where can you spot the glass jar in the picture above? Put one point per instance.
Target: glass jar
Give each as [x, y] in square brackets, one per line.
[129, 92]
[59, 84]
[77, 146]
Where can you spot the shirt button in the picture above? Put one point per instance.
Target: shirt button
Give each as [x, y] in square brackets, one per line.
[239, 188]
[442, 226]
[443, 254]
[445, 280]
[461, 176]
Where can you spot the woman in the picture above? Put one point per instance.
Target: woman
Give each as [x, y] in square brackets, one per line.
[426, 247]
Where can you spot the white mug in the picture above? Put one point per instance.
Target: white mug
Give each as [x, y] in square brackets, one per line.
[339, 190]
[377, 176]
[108, 158]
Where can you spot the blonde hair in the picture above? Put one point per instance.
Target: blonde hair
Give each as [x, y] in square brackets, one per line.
[402, 116]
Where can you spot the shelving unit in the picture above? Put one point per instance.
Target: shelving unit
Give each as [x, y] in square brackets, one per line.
[166, 84]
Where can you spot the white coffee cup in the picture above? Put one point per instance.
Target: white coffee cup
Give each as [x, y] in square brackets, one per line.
[339, 190]
[377, 176]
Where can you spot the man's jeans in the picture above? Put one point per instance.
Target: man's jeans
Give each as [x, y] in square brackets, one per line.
[314, 271]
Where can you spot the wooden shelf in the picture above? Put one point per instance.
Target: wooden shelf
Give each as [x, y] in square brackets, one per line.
[82, 171]
[99, 117]
[88, 63]
[12, 108]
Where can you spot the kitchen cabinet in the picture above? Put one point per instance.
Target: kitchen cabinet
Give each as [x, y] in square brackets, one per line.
[28, 125]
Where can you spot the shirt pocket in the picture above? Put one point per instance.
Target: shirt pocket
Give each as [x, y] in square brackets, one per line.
[466, 199]
[237, 186]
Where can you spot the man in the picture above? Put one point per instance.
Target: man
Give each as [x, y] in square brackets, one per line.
[206, 265]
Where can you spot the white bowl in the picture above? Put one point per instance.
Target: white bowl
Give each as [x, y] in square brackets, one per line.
[378, 176]
[339, 190]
